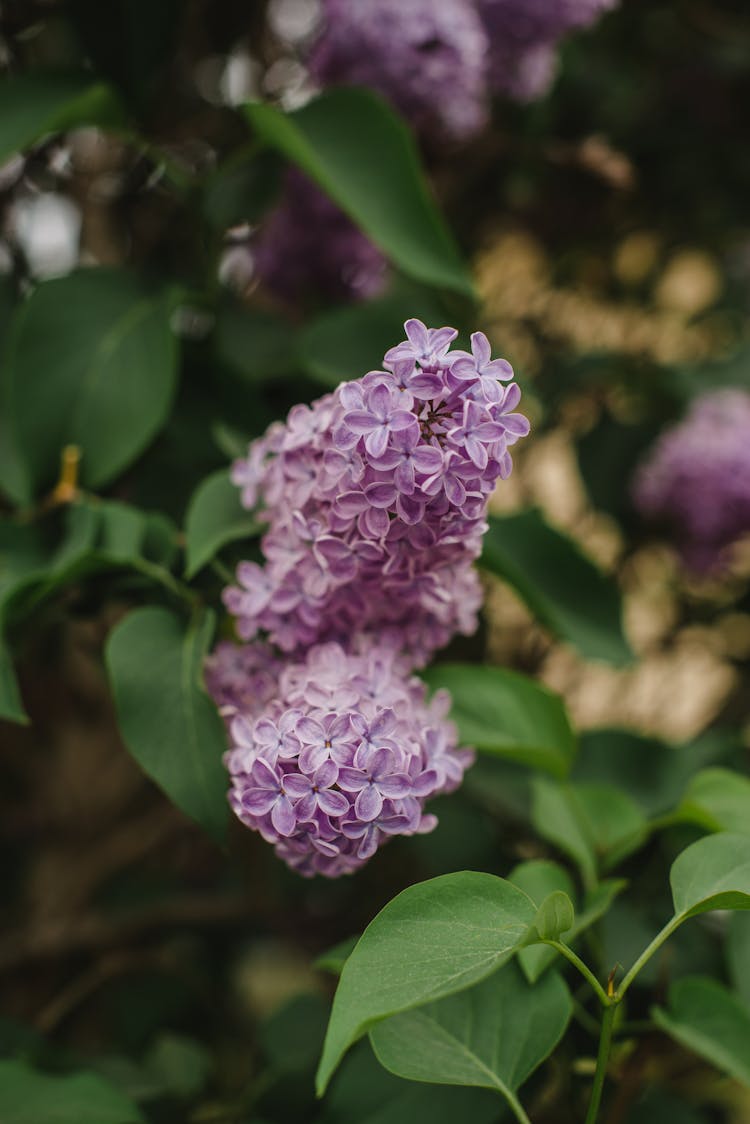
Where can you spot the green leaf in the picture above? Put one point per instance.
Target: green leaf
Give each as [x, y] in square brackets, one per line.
[713, 873]
[344, 343]
[738, 954]
[704, 1017]
[30, 1097]
[362, 155]
[214, 518]
[433, 939]
[718, 800]
[561, 586]
[540, 877]
[596, 825]
[92, 362]
[167, 720]
[505, 714]
[494, 1035]
[42, 102]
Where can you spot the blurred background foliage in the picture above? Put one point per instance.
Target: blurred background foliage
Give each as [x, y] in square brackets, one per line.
[601, 237]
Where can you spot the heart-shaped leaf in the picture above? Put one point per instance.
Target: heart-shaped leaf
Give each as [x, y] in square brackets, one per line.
[713, 873]
[493, 1035]
[434, 939]
[505, 714]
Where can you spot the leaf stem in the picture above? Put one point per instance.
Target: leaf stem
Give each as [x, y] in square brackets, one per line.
[602, 1061]
[646, 955]
[516, 1107]
[588, 975]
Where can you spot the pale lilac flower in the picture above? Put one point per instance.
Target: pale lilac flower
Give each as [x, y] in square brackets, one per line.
[476, 432]
[373, 778]
[317, 792]
[266, 792]
[379, 419]
[466, 368]
[427, 347]
[368, 834]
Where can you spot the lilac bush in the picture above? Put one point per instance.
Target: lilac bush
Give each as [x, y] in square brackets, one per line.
[344, 755]
[429, 60]
[696, 479]
[375, 500]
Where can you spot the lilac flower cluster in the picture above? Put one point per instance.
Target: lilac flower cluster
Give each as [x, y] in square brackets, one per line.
[343, 757]
[437, 63]
[697, 478]
[523, 38]
[375, 498]
[308, 245]
[428, 59]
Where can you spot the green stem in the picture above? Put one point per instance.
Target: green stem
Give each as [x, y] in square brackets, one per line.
[585, 971]
[646, 955]
[602, 1061]
[516, 1107]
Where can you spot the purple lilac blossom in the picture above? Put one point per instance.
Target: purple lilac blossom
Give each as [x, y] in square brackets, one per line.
[344, 756]
[241, 678]
[375, 499]
[696, 479]
[523, 37]
[307, 246]
[429, 59]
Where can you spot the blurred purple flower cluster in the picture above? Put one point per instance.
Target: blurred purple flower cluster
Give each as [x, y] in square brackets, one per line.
[428, 59]
[437, 62]
[523, 37]
[375, 499]
[697, 478]
[308, 244]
